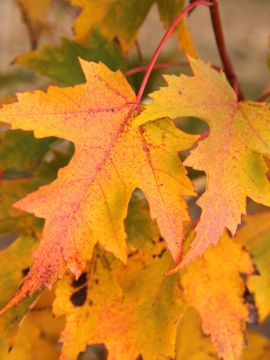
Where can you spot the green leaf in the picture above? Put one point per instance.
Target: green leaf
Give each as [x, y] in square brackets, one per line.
[61, 62]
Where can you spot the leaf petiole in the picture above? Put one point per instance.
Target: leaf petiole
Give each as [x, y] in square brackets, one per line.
[153, 60]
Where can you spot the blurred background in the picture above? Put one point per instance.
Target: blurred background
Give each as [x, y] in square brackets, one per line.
[246, 27]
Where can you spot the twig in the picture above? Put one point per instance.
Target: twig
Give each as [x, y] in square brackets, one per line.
[156, 66]
[161, 44]
[139, 69]
[226, 61]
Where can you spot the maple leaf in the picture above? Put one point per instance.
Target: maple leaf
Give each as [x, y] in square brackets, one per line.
[119, 305]
[117, 19]
[217, 294]
[255, 236]
[232, 154]
[61, 63]
[88, 202]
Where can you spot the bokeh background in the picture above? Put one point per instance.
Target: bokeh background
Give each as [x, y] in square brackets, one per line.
[246, 27]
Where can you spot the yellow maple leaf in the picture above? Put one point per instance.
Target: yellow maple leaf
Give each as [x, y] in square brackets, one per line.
[88, 201]
[232, 153]
[213, 286]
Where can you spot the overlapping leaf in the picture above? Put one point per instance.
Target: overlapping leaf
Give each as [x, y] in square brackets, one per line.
[110, 300]
[88, 202]
[118, 20]
[61, 63]
[127, 308]
[213, 285]
[255, 236]
[232, 154]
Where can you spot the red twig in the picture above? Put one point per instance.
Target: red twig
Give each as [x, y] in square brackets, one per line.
[162, 42]
[226, 61]
[156, 66]
[139, 69]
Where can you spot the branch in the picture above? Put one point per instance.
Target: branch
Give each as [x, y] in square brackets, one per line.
[226, 61]
[161, 44]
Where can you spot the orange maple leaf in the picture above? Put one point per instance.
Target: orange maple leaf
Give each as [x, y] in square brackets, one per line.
[88, 201]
